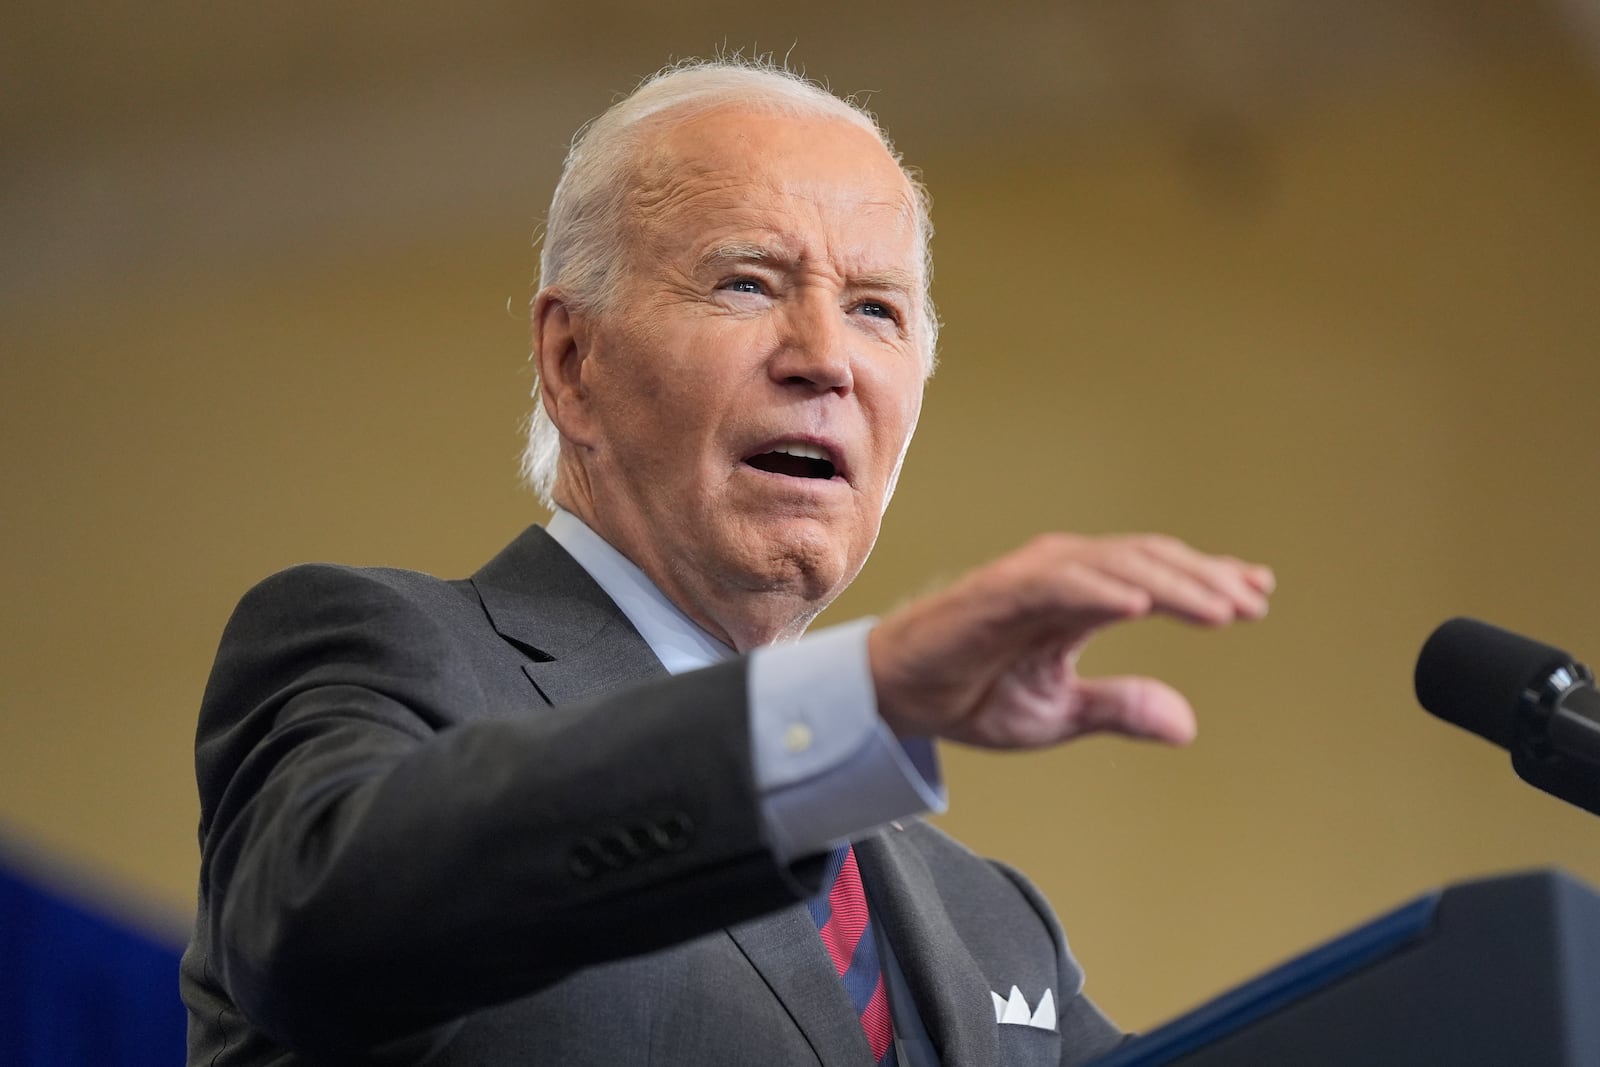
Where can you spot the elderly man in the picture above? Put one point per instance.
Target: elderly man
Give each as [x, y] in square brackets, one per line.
[602, 803]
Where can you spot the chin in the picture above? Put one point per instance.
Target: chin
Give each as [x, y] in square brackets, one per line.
[802, 564]
[829, 573]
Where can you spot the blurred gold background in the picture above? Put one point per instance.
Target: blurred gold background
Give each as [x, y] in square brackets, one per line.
[1315, 284]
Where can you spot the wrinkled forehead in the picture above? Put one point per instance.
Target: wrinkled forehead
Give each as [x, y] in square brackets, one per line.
[774, 175]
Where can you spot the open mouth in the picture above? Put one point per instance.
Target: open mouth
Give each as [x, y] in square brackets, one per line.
[796, 461]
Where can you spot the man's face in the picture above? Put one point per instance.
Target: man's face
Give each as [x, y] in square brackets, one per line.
[755, 384]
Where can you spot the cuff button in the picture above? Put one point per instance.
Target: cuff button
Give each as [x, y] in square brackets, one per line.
[797, 738]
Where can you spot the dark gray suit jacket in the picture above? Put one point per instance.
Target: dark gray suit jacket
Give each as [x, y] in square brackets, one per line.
[474, 822]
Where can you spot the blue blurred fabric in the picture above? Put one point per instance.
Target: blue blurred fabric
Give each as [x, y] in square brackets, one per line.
[77, 988]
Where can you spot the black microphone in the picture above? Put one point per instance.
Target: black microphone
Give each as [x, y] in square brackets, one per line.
[1532, 699]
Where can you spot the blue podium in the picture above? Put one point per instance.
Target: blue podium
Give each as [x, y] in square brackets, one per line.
[1503, 972]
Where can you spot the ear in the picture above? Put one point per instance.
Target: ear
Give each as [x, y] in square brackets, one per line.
[560, 346]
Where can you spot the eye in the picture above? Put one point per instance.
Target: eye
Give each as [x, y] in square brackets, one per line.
[877, 309]
[744, 284]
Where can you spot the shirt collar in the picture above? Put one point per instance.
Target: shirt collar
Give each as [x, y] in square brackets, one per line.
[676, 640]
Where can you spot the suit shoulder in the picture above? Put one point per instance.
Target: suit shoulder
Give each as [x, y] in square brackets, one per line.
[310, 623]
[327, 577]
[326, 590]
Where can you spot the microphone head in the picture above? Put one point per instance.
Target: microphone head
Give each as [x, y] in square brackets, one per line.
[1474, 675]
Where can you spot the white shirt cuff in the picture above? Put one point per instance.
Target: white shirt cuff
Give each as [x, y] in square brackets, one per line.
[827, 767]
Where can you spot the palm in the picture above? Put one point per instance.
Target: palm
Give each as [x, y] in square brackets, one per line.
[1034, 702]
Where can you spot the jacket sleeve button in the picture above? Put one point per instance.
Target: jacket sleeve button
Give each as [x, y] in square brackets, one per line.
[584, 860]
[672, 831]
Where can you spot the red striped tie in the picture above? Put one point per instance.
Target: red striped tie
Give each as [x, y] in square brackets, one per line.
[841, 916]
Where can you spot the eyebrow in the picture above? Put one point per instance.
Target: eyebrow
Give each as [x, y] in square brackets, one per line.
[729, 252]
[735, 252]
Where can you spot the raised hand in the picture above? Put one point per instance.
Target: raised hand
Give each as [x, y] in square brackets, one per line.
[992, 660]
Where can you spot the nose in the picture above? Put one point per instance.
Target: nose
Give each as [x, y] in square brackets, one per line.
[815, 350]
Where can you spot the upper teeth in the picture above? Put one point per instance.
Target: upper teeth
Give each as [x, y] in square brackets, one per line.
[803, 451]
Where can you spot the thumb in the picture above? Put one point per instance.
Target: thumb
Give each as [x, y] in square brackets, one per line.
[1135, 707]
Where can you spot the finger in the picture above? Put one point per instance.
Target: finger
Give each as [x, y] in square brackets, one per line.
[1259, 575]
[1079, 597]
[1143, 708]
[1176, 581]
[1244, 586]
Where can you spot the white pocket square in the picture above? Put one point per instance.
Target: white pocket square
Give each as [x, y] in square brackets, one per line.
[1014, 1010]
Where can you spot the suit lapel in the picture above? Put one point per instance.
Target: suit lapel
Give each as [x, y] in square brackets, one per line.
[785, 949]
[950, 989]
[578, 642]
[616, 657]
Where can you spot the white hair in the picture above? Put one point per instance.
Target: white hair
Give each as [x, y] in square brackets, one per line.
[586, 232]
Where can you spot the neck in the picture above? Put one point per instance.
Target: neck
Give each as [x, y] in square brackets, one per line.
[742, 615]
